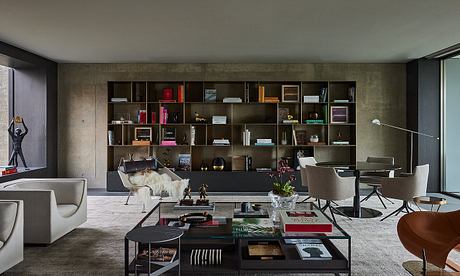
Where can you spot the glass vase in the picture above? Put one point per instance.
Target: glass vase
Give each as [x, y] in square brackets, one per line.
[281, 203]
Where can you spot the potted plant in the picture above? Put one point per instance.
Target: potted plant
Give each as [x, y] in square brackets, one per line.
[283, 194]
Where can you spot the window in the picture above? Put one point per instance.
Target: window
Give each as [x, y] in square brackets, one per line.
[4, 115]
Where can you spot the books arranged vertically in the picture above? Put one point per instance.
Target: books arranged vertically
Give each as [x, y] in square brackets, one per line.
[264, 142]
[323, 95]
[241, 163]
[313, 251]
[304, 221]
[142, 116]
[163, 115]
[180, 93]
[9, 169]
[261, 94]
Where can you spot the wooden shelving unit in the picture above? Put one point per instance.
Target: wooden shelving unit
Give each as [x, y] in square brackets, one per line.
[260, 118]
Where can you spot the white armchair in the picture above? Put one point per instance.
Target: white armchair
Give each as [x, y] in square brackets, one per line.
[11, 233]
[52, 206]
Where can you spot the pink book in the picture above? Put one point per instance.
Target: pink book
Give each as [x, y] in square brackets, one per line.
[168, 143]
[161, 115]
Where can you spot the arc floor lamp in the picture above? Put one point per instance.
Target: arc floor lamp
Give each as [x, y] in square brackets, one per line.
[411, 132]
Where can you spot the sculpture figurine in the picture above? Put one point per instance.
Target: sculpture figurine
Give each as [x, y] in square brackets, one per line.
[17, 136]
[199, 118]
[203, 195]
[187, 193]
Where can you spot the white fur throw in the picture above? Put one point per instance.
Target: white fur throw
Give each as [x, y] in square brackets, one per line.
[158, 183]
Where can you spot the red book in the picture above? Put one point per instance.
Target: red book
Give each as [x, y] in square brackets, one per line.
[162, 114]
[142, 116]
[180, 93]
[167, 93]
[307, 221]
[9, 171]
[154, 117]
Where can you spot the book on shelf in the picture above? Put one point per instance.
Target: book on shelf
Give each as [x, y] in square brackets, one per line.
[180, 93]
[246, 137]
[264, 144]
[341, 101]
[283, 113]
[340, 142]
[159, 255]
[323, 95]
[210, 95]
[261, 94]
[311, 99]
[294, 137]
[168, 143]
[271, 100]
[163, 115]
[141, 143]
[221, 142]
[308, 221]
[142, 116]
[313, 251]
[264, 140]
[119, 100]
[313, 122]
[316, 143]
[167, 101]
[185, 162]
[219, 120]
[232, 100]
[290, 121]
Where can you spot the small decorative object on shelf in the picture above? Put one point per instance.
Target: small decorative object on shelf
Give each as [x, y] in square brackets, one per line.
[199, 118]
[192, 135]
[203, 166]
[290, 93]
[246, 137]
[351, 94]
[311, 99]
[167, 94]
[283, 113]
[210, 95]
[111, 138]
[323, 95]
[314, 138]
[218, 164]
[185, 160]
[283, 196]
[284, 138]
[17, 136]
[313, 115]
[290, 120]
[187, 193]
[203, 195]
[143, 134]
[301, 137]
[219, 120]
[174, 118]
[221, 142]
[206, 257]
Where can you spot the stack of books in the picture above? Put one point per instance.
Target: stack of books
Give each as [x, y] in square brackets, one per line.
[6, 170]
[163, 115]
[290, 121]
[299, 222]
[221, 142]
[119, 100]
[314, 122]
[169, 137]
[271, 100]
[264, 142]
[232, 100]
[340, 142]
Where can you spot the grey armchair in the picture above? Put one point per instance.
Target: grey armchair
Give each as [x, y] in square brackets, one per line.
[303, 162]
[52, 206]
[324, 183]
[374, 179]
[406, 188]
[11, 233]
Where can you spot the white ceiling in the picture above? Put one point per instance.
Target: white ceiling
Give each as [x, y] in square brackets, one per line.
[214, 31]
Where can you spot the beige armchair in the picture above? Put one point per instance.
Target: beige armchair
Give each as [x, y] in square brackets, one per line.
[374, 179]
[406, 188]
[52, 206]
[11, 233]
[324, 183]
[303, 162]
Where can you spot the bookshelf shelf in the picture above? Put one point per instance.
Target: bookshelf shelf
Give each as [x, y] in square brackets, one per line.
[262, 119]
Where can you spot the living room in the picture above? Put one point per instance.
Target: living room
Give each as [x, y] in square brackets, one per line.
[229, 137]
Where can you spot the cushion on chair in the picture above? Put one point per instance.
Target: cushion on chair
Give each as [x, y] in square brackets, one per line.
[67, 210]
[8, 211]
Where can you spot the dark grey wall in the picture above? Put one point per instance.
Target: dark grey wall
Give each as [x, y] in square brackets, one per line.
[423, 114]
[35, 89]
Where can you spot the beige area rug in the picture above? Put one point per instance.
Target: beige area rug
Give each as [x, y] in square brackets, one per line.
[96, 248]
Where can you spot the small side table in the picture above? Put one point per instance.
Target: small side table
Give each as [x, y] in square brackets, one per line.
[432, 200]
[155, 235]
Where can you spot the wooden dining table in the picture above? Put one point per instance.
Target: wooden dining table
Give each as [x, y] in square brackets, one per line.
[356, 211]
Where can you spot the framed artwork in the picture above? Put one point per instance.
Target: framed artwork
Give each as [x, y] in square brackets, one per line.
[290, 93]
[283, 113]
[143, 133]
[210, 95]
[339, 114]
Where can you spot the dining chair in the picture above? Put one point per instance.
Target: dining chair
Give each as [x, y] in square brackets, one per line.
[374, 179]
[406, 188]
[306, 161]
[324, 183]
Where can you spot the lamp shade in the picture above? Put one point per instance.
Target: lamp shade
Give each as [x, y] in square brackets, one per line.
[376, 121]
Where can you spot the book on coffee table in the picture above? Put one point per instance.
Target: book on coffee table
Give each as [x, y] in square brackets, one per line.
[307, 221]
[313, 251]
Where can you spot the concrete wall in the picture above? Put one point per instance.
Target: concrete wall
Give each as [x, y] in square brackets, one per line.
[4, 116]
[82, 104]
